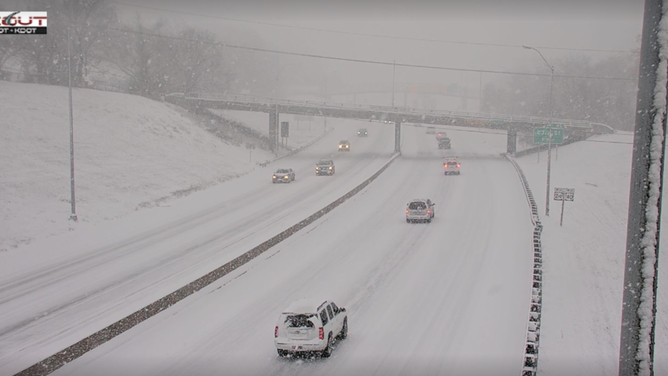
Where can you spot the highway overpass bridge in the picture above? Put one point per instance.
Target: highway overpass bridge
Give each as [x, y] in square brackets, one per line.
[574, 129]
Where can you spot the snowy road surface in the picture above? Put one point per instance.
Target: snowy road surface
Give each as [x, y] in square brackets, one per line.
[433, 296]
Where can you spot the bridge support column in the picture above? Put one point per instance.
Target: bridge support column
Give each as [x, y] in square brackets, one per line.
[397, 137]
[511, 145]
[273, 130]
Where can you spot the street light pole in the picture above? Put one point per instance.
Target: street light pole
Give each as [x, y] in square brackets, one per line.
[549, 142]
[73, 215]
[394, 67]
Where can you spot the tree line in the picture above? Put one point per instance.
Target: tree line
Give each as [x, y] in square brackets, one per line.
[146, 58]
[609, 100]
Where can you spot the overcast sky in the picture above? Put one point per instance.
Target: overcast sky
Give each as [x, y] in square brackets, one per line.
[588, 24]
[469, 31]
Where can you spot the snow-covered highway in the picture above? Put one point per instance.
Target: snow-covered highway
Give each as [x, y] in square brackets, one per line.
[83, 282]
[422, 298]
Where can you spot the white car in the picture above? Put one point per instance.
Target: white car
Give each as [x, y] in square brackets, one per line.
[310, 327]
[420, 210]
[283, 175]
[451, 165]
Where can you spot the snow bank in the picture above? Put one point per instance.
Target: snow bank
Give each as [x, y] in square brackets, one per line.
[130, 152]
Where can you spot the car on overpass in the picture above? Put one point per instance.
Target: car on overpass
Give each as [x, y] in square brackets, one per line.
[325, 167]
[344, 145]
[362, 132]
[451, 166]
[283, 175]
[307, 327]
[420, 210]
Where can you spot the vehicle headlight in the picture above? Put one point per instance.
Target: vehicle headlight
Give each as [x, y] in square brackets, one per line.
[273, 177]
[285, 177]
[330, 167]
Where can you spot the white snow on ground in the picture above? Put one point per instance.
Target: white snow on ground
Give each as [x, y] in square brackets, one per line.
[583, 261]
[130, 153]
[422, 298]
[57, 291]
[472, 290]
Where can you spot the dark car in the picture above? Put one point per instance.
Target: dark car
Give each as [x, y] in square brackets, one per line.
[325, 167]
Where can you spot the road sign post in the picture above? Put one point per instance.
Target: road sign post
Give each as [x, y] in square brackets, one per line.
[250, 148]
[563, 195]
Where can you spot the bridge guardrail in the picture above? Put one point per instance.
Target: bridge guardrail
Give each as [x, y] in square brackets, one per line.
[268, 101]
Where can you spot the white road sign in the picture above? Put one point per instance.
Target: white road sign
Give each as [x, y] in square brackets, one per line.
[564, 194]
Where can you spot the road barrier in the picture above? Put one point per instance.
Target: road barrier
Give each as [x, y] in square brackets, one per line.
[532, 341]
[54, 362]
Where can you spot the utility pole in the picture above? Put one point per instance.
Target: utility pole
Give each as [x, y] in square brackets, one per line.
[73, 215]
[636, 348]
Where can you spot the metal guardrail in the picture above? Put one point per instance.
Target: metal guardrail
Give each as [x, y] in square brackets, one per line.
[532, 340]
[268, 101]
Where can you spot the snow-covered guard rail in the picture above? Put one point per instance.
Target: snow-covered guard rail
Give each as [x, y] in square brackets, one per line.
[530, 359]
[54, 362]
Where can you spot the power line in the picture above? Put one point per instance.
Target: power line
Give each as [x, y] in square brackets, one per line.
[332, 31]
[377, 62]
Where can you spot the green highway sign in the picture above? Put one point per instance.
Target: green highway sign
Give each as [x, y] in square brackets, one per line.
[542, 136]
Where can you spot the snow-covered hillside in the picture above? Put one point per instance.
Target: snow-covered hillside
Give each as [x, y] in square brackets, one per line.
[584, 258]
[130, 152]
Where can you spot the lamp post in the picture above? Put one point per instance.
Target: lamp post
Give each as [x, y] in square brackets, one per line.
[73, 214]
[549, 142]
[394, 68]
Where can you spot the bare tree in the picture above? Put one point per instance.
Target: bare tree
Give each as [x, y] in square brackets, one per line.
[44, 57]
[89, 20]
[609, 101]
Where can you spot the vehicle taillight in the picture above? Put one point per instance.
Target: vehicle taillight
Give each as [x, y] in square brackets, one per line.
[428, 211]
[446, 166]
[457, 165]
[276, 332]
[321, 333]
[406, 211]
